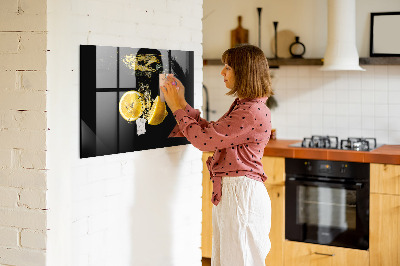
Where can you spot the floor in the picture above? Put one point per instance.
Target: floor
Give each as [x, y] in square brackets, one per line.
[206, 261]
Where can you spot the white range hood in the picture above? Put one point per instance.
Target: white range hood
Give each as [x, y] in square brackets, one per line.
[341, 51]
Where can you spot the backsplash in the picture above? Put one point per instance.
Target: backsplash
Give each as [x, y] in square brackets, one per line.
[314, 102]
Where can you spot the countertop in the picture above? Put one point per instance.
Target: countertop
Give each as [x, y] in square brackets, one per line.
[388, 154]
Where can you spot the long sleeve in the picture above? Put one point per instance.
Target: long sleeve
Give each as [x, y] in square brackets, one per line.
[193, 113]
[238, 140]
[229, 131]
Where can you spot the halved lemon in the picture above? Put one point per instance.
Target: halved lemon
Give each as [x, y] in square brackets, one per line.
[157, 113]
[131, 105]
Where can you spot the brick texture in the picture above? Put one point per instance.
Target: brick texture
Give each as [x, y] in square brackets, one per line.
[33, 199]
[9, 237]
[33, 239]
[105, 191]
[18, 256]
[23, 178]
[124, 206]
[8, 197]
[23, 218]
[23, 126]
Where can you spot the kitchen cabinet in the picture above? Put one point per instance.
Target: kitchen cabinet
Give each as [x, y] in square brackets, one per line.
[384, 245]
[385, 178]
[385, 215]
[274, 168]
[305, 254]
[206, 225]
[385, 230]
[277, 233]
[384, 221]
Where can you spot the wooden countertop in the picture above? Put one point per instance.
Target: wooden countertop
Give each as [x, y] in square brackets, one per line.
[389, 154]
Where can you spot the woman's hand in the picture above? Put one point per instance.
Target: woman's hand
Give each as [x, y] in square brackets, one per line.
[174, 93]
[181, 91]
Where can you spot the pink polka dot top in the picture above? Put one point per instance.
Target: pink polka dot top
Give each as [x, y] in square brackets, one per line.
[238, 139]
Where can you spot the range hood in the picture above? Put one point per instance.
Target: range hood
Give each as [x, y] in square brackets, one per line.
[341, 51]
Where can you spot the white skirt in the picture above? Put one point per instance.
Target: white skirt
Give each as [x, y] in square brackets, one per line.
[241, 223]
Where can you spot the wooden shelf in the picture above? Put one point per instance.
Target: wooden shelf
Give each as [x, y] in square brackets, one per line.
[273, 63]
[295, 62]
[380, 61]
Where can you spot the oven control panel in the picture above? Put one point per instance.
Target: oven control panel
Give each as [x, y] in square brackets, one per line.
[325, 167]
[337, 169]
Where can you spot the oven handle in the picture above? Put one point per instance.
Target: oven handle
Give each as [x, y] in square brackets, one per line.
[357, 185]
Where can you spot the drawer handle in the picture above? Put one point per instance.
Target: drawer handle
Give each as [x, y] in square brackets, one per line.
[324, 254]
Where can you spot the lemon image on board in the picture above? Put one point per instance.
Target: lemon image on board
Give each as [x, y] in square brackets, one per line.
[157, 113]
[131, 105]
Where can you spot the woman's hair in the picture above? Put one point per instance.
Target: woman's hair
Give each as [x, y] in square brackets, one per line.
[250, 66]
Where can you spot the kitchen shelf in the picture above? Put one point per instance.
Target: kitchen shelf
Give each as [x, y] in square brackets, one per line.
[273, 63]
[380, 61]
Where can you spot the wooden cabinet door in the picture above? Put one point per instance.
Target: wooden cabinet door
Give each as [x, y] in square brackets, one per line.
[277, 233]
[385, 178]
[206, 226]
[304, 254]
[384, 230]
[274, 168]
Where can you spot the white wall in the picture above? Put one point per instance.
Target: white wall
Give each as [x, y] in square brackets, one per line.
[23, 133]
[140, 208]
[311, 102]
[306, 19]
[343, 104]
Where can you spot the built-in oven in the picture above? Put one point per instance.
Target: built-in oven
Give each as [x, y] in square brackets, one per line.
[327, 202]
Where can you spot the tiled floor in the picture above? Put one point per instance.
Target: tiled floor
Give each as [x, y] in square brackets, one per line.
[206, 261]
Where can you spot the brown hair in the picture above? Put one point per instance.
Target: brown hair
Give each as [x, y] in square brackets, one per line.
[250, 66]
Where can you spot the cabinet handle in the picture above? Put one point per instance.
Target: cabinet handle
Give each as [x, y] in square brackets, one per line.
[324, 254]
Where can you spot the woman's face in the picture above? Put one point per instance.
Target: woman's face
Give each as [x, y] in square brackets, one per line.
[229, 76]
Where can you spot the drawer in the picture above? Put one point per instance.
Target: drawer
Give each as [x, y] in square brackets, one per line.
[297, 253]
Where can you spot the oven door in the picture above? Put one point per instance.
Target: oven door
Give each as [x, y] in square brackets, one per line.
[327, 213]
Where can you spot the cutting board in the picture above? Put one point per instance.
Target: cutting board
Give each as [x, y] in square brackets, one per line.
[239, 35]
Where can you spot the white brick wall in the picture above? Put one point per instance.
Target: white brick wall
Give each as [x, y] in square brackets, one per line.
[23, 132]
[9, 197]
[113, 210]
[9, 237]
[34, 239]
[140, 208]
[11, 256]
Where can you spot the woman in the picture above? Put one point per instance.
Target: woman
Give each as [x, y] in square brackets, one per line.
[242, 211]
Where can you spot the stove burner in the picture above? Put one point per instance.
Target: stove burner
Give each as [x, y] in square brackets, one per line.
[358, 144]
[332, 142]
[327, 142]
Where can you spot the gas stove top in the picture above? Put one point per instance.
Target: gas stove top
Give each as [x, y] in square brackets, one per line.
[332, 142]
